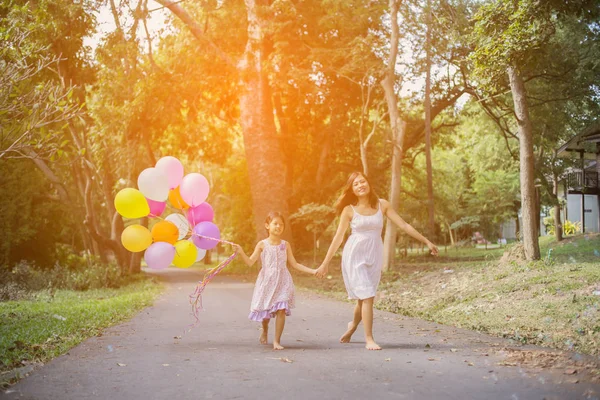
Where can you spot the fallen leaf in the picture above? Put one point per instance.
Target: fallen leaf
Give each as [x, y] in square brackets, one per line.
[389, 359]
[454, 350]
[470, 364]
[176, 337]
[282, 359]
[165, 365]
[427, 346]
[121, 365]
[433, 359]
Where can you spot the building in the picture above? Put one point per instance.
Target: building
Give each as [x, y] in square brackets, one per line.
[580, 186]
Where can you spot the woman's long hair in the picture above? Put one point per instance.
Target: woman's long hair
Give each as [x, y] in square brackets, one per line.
[348, 197]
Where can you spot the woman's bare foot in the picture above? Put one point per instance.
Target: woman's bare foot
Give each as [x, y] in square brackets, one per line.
[371, 345]
[277, 346]
[348, 335]
[263, 336]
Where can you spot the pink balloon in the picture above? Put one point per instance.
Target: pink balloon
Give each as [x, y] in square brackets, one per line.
[194, 189]
[207, 229]
[173, 170]
[201, 213]
[156, 207]
[159, 255]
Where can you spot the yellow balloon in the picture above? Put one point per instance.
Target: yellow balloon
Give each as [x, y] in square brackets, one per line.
[131, 203]
[136, 238]
[185, 254]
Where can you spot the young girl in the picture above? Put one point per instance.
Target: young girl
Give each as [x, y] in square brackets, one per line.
[274, 289]
[362, 257]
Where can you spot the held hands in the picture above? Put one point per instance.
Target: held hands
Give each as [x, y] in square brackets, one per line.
[321, 272]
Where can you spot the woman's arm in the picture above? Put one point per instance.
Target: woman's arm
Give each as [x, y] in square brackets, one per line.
[389, 212]
[337, 240]
[252, 259]
[292, 261]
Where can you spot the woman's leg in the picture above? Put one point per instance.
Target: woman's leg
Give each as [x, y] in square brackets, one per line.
[367, 317]
[279, 324]
[265, 330]
[354, 323]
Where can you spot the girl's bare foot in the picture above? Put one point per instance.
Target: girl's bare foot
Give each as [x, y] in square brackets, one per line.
[348, 335]
[277, 346]
[263, 337]
[371, 345]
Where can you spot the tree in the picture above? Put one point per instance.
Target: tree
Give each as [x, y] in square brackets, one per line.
[511, 39]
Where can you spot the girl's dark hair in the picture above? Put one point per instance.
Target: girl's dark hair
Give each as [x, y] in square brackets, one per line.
[272, 215]
[348, 197]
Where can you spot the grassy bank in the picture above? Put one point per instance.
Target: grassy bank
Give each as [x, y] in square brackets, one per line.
[553, 302]
[50, 323]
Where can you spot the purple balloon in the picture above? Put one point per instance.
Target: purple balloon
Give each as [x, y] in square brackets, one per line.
[207, 229]
[159, 255]
[156, 207]
[201, 213]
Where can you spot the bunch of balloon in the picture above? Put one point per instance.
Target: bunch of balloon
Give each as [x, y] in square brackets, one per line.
[182, 237]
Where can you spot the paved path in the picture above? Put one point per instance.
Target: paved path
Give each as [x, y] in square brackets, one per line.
[222, 359]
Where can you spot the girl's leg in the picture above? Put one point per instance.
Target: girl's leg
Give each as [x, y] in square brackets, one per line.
[279, 324]
[265, 330]
[354, 323]
[367, 315]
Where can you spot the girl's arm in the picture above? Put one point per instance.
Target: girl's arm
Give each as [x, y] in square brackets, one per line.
[252, 259]
[292, 261]
[389, 212]
[337, 240]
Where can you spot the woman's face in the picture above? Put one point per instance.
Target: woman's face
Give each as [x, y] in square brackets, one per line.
[360, 186]
[276, 226]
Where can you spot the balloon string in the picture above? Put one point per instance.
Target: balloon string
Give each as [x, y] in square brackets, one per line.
[196, 296]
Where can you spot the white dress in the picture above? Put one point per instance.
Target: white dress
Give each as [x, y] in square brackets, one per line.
[362, 257]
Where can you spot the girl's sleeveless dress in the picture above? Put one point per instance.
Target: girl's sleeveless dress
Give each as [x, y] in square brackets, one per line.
[274, 288]
[362, 257]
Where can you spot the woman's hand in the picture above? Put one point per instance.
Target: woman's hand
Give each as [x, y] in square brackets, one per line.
[433, 248]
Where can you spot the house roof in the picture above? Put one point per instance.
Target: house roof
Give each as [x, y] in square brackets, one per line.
[585, 140]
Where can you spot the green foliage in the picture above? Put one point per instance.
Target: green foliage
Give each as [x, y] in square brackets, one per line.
[313, 218]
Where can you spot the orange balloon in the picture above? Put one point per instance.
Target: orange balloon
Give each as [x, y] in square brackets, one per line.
[165, 231]
[176, 200]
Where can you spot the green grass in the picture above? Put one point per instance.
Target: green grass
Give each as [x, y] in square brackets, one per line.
[36, 331]
[549, 302]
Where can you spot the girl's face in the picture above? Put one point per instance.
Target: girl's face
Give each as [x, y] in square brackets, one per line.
[275, 227]
[360, 186]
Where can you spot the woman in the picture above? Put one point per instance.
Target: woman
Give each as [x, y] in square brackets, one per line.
[362, 257]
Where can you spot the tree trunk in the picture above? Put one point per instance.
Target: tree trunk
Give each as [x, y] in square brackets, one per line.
[398, 128]
[263, 151]
[430, 207]
[528, 198]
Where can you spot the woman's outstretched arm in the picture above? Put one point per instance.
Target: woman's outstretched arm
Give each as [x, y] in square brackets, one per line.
[389, 212]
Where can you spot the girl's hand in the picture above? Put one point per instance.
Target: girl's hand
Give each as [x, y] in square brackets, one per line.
[433, 248]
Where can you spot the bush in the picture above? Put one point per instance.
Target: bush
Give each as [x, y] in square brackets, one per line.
[23, 279]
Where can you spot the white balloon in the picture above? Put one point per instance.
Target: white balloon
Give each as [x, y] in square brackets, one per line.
[181, 223]
[153, 184]
[201, 252]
